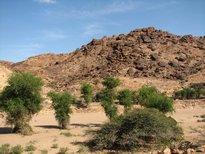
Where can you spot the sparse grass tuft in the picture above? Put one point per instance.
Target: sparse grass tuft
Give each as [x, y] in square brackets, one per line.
[44, 151]
[67, 134]
[4, 149]
[81, 150]
[30, 148]
[17, 149]
[63, 151]
[54, 146]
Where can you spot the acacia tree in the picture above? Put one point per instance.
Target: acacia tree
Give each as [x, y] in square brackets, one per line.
[108, 95]
[21, 99]
[61, 103]
[87, 93]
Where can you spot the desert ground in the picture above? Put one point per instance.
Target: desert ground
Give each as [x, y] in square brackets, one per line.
[47, 134]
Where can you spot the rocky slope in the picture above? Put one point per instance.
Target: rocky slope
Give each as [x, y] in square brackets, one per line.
[143, 52]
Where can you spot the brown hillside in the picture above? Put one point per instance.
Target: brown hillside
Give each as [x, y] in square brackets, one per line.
[143, 52]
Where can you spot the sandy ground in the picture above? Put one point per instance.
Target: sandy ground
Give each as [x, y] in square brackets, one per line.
[47, 133]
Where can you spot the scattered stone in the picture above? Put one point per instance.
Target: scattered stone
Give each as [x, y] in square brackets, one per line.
[182, 57]
[166, 151]
[190, 151]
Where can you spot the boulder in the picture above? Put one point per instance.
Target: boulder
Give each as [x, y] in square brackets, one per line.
[146, 39]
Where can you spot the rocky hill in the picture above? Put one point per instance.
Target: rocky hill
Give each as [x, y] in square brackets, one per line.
[146, 52]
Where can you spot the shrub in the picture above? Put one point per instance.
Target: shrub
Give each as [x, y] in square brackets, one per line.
[125, 98]
[4, 149]
[186, 93]
[17, 149]
[30, 147]
[110, 82]
[87, 93]
[199, 88]
[151, 98]
[160, 102]
[21, 99]
[137, 129]
[61, 103]
[144, 92]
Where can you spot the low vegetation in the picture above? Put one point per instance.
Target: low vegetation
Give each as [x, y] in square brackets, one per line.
[61, 103]
[44, 151]
[150, 97]
[21, 99]
[63, 151]
[17, 149]
[139, 128]
[194, 91]
[4, 149]
[30, 147]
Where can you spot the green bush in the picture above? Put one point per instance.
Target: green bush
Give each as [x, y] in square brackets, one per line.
[110, 82]
[125, 98]
[61, 103]
[199, 88]
[17, 149]
[144, 92]
[137, 129]
[186, 93]
[4, 149]
[87, 93]
[150, 97]
[21, 99]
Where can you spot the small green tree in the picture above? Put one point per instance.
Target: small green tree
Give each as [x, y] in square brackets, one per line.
[21, 99]
[87, 93]
[125, 98]
[108, 95]
[144, 92]
[150, 97]
[61, 103]
[107, 101]
[110, 82]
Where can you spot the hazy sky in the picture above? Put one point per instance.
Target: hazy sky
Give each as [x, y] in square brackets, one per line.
[32, 27]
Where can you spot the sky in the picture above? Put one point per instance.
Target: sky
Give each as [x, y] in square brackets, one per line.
[33, 27]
